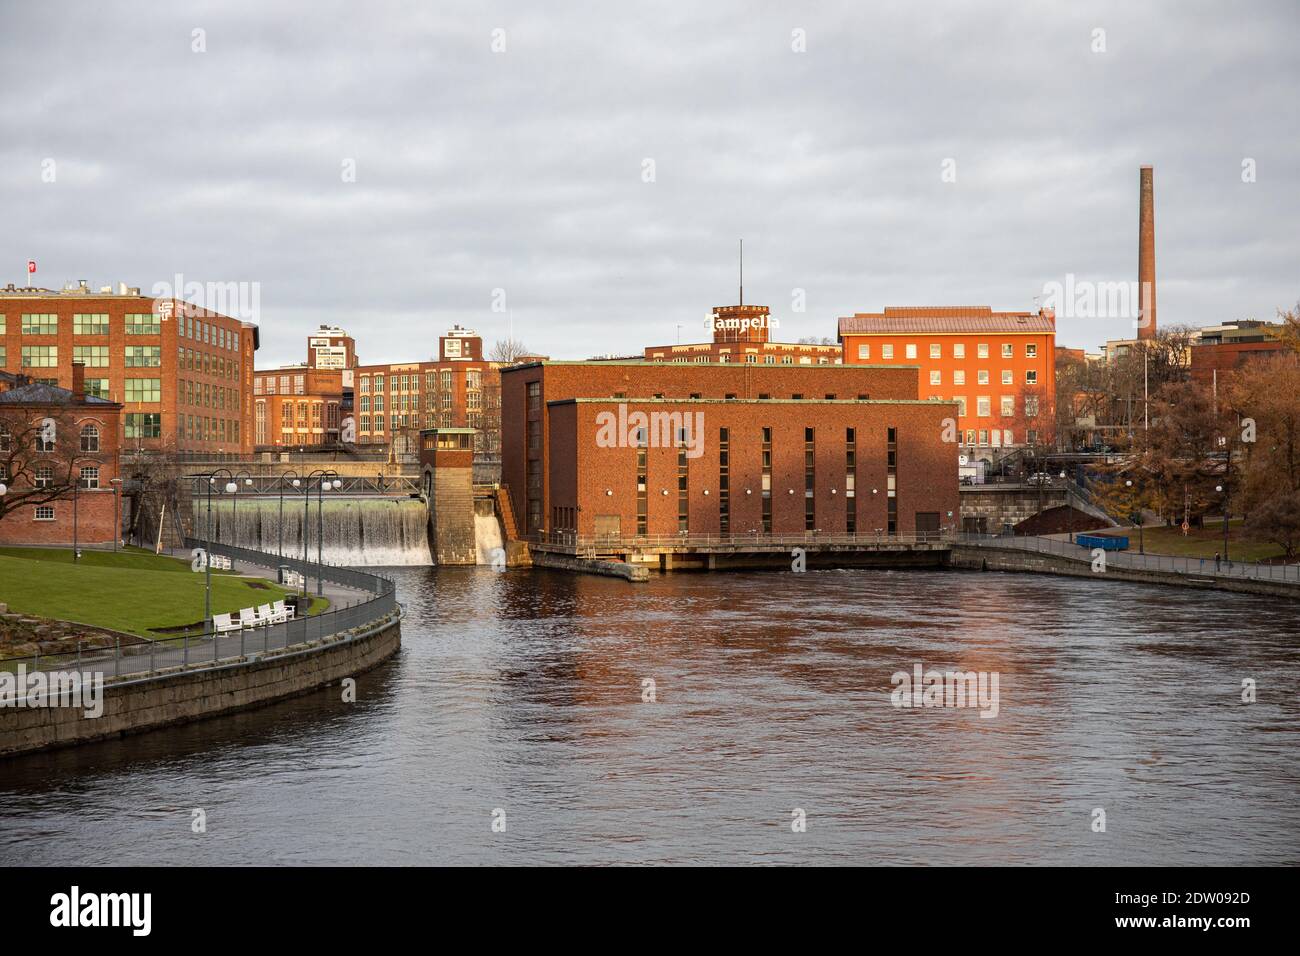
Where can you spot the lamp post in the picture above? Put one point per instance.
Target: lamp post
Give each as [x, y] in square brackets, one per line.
[1223, 490]
[296, 482]
[1069, 510]
[234, 508]
[230, 488]
[117, 512]
[1136, 515]
[328, 478]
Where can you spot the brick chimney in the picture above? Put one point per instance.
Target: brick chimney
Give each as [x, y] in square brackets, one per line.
[1146, 254]
[78, 381]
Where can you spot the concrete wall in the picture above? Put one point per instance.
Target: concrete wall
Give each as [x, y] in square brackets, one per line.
[132, 705]
[970, 557]
[999, 505]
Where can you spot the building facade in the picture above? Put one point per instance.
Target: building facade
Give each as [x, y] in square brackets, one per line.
[999, 368]
[741, 334]
[182, 374]
[59, 450]
[637, 448]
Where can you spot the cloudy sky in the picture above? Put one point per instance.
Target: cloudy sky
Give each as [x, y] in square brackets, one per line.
[504, 146]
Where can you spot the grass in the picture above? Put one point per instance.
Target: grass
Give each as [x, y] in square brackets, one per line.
[132, 590]
[1200, 542]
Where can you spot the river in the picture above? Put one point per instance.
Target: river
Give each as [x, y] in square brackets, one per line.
[518, 698]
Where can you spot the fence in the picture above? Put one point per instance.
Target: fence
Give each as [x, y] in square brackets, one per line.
[210, 649]
[1200, 567]
[610, 542]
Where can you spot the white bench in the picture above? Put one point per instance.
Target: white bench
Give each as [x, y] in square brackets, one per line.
[268, 615]
[220, 562]
[248, 617]
[225, 623]
[287, 610]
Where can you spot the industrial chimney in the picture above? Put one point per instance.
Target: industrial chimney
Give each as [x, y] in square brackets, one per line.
[1146, 255]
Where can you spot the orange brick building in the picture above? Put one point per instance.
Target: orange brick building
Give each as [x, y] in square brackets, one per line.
[998, 367]
[51, 439]
[182, 374]
[723, 449]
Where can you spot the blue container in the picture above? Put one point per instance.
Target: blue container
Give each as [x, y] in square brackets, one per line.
[1105, 542]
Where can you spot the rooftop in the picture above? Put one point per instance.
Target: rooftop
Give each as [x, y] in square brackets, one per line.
[946, 319]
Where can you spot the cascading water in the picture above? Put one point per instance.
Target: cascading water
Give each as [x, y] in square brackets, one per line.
[487, 539]
[358, 531]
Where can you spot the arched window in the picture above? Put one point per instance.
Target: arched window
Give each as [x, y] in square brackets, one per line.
[90, 438]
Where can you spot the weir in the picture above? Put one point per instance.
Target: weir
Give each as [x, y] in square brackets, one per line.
[369, 531]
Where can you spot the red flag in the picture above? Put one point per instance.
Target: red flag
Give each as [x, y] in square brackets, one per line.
[31, 266]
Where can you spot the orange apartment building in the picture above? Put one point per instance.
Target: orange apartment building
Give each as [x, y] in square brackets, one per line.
[182, 374]
[998, 367]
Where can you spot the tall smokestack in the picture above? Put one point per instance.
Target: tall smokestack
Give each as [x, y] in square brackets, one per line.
[1146, 254]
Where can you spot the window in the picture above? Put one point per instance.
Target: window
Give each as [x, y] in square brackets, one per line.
[92, 356]
[89, 477]
[983, 407]
[90, 324]
[1007, 350]
[936, 350]
[40, 323]
[982, 350]
[886, 351]
[1006, 437]
[365, 384]
[143, 356]
[936, 377]
[143, 425]
[959, 350]
[44, 476]
[984, 436]
[90, 438]
[910, 350]
[982, 377]
[1031, 350]
[4, 357]
[959, 377]
[1031, 406]
[40, 356]
[534, 396]
[1031, 377]
[961, 405]
[141, 323]
[1008, 406]
[144, 389]
[1007, 377]
[44, 513]
[97, 387]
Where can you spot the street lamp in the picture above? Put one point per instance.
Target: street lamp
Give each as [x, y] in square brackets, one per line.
[1223, 490]
[230, 487]
[1136, 515]
[296, 482]
[1069, 510]
[233, 487]
[117, 512]
[328, 478]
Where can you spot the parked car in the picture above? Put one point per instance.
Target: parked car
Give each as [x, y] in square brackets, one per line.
[1039, 478]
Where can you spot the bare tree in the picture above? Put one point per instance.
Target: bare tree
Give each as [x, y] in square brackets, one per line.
[508, 351]
[41, 455]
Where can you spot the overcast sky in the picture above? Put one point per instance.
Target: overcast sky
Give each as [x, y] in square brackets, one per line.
[524, 170]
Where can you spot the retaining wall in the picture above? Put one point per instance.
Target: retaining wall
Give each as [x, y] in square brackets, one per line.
[177, 696]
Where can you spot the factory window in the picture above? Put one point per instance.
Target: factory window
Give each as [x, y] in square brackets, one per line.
[40, 356]
[724, 480]
[143, 389]
[143, 425]
[41, 323]
[91, 356]
[89, 477]
[44, 476]
[89, 324]
[90, 438]
[44, 513]
[141, 323]
[98, 387]
[143, 356]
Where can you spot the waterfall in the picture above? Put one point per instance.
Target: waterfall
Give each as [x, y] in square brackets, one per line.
[358, 531]
[487, 537]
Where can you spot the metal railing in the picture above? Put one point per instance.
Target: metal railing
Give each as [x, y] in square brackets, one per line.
[864, 539]
[1173, 564]
[210, 649]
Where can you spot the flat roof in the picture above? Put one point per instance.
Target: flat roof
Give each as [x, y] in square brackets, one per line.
[751, 401]
[698, 365]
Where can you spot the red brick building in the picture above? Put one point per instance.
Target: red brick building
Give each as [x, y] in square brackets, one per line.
[182, 374]
[1222, 349]
[54, 442]
[723, 449]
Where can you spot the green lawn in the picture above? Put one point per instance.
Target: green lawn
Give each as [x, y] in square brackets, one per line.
[1200, 542]
[131, 590]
